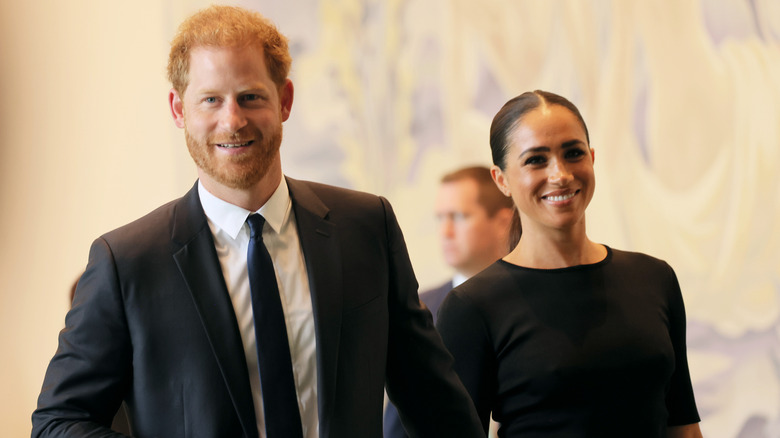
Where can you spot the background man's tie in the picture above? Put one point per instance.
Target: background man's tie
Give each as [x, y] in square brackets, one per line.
[280, 402]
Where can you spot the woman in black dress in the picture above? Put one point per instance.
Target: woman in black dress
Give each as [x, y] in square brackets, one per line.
[565, 337]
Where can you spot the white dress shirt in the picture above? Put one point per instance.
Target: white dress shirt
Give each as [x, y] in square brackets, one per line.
[231, 238]
[458, 279]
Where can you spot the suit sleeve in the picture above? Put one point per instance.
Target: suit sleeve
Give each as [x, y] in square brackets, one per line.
[421, 381]
[88, 375]
[466, 337]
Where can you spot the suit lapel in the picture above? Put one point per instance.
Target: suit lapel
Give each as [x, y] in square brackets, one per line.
[323, 263]
[199, 265]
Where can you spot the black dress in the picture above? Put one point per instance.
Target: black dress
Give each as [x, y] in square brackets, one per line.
[586, 351]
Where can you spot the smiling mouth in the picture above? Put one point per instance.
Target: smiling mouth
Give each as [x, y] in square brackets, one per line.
[560, 198]
[234, 145]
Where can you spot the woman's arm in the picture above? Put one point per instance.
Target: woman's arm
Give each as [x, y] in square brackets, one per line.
[685, 431]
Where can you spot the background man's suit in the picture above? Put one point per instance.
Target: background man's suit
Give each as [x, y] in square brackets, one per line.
[434, 297]
[152, 321]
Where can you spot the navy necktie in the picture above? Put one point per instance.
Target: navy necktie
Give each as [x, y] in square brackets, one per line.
[280, 402]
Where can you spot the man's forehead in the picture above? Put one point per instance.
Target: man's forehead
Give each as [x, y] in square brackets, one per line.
[220, 64]
[464, 186]
[455, 199]
[217, 47]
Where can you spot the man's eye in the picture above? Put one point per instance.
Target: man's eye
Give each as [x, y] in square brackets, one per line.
[210, 100]
[250, 97]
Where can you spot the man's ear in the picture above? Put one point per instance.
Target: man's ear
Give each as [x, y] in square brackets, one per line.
[286, 93]
[177, 107]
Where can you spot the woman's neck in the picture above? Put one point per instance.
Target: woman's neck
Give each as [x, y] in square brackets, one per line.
[553, 250]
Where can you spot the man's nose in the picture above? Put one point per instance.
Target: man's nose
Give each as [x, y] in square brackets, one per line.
[232, 118]
[446, 227]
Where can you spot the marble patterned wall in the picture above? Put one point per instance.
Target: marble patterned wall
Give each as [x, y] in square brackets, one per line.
[682, 98]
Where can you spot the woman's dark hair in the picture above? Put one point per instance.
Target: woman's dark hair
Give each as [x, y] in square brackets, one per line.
[508, 118]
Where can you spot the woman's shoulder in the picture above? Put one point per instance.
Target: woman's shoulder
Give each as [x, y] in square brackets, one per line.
[639, 263]
[633, 257]
[472, 305]
[485, 285]
[497, 272]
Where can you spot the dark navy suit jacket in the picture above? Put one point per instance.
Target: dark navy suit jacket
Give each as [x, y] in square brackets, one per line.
[152, 324]
[432, 299]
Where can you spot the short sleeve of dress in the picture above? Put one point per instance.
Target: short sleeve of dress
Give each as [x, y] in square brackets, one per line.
[680, 401]
[466, 336]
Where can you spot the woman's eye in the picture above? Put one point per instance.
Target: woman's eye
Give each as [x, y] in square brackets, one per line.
[575, 153]
[536, 159]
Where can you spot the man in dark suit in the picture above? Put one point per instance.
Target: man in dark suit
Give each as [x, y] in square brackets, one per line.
[165, 316]
[475, 226]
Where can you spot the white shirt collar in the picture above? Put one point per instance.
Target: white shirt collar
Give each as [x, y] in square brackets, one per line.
[230, 218]
[458, 279]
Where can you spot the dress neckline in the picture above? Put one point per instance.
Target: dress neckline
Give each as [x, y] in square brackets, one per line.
[586, 266]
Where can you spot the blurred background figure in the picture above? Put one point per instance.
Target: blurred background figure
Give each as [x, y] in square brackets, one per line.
[477, 226]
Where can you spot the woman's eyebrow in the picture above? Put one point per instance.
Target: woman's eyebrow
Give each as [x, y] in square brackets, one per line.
[572, 143]
[533, 150]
